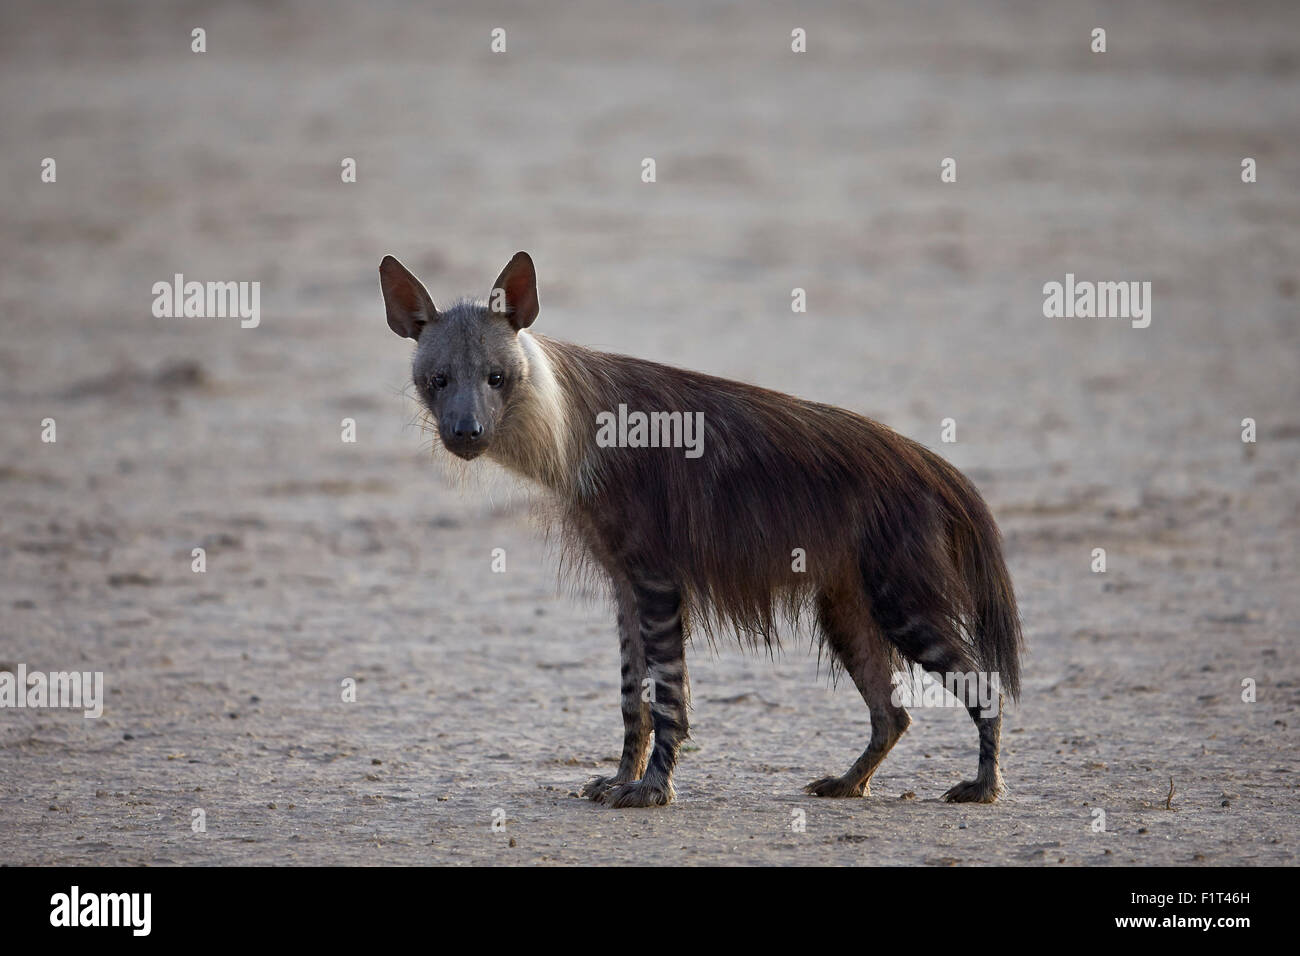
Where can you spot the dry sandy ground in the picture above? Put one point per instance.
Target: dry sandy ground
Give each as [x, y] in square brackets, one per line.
[482, 691]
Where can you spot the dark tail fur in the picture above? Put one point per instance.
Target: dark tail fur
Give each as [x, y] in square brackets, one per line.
[932, 566]
[977, 554]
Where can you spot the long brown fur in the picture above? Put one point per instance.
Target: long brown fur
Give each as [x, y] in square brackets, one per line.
[778, 473]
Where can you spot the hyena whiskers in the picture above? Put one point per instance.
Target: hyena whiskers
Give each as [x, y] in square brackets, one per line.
[902, 559]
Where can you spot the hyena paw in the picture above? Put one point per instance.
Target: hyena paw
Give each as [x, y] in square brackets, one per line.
[974, 791]
[594, 788]
[837, 787]
[636, 793]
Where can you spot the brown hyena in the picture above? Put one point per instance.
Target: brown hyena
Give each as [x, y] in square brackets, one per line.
[903, 559]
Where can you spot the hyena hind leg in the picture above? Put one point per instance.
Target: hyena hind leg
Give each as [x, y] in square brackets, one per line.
[987, 785]
[912, 620]
[636, 712]
[853, 640]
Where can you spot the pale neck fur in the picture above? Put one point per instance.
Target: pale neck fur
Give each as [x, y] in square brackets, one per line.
[536, 438]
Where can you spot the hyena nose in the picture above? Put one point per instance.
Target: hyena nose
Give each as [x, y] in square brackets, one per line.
[467, 430]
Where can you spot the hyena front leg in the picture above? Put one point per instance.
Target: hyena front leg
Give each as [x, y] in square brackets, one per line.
[659, 612]
[636, 709]
[848, 628]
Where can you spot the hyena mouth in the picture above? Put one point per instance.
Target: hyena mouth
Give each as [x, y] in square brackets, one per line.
[465, 452]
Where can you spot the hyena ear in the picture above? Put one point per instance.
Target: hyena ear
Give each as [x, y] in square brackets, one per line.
[514, 294]
[407, 301]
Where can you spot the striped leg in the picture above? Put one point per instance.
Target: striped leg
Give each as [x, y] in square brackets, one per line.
[659, 610]
[636, 712]
[908, 619]
[987, 785]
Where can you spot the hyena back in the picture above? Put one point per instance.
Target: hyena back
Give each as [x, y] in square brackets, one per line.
[901, 557]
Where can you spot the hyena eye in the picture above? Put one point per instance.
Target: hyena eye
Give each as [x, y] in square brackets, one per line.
[439, 381]
[495, 380]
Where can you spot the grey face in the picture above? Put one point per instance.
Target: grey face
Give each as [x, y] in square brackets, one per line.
[467, 365]
[468, 360]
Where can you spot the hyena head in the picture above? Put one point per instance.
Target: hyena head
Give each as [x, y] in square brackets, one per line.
[469, 361]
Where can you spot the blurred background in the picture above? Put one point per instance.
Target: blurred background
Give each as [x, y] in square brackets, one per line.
[775, 170]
